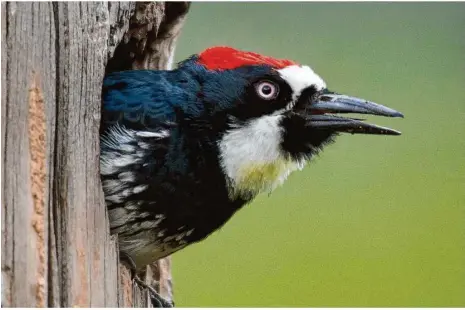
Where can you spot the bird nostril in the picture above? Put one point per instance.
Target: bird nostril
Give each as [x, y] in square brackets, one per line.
[325, 98]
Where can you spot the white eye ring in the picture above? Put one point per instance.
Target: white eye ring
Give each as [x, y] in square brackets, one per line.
[267, 90]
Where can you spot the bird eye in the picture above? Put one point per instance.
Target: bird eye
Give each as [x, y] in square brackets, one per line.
[267, 90]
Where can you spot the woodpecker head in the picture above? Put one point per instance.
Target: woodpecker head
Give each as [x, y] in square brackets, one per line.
[275, 115]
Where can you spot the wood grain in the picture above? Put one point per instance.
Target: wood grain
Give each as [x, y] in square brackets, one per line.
[56, 246]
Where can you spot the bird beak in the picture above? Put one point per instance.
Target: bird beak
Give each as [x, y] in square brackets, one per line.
[330, 102]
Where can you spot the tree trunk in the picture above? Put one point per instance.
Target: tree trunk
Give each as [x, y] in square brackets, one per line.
[56, 246]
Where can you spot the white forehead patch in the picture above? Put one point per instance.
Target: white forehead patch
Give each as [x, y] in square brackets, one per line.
[301, 77]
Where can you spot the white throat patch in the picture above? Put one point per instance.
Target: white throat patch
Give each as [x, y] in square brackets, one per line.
[252, 159]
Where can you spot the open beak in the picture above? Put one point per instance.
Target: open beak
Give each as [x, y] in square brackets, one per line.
[329, 103]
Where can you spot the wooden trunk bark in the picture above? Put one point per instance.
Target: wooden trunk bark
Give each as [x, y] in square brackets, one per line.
[56, 246]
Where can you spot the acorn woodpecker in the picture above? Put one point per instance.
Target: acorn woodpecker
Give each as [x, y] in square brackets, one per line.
[183, 150]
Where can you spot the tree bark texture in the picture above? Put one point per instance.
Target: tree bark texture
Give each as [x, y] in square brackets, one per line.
[56, 246]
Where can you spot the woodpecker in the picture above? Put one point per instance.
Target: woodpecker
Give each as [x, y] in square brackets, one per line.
[183, 150]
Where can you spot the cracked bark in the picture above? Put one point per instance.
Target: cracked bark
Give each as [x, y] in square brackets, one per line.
[56, 246]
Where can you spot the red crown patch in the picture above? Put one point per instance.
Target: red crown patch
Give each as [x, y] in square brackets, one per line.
[224, 58]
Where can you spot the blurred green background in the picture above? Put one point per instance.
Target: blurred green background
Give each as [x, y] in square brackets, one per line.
[374, 221]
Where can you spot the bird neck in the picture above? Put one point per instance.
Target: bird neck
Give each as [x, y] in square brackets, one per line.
[252, 159]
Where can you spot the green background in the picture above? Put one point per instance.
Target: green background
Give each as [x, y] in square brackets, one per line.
[374, 221]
